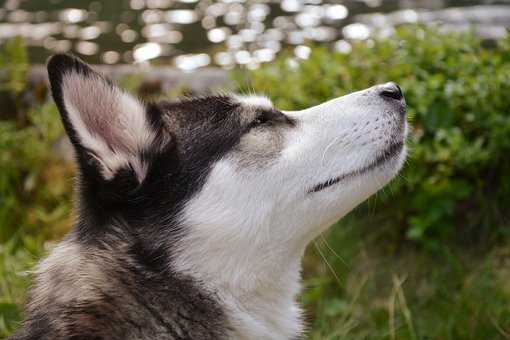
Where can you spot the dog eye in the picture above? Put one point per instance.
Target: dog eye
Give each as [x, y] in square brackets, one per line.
[269, 117]
[261, 120]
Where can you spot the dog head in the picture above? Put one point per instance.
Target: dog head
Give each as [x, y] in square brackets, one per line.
[240, 178]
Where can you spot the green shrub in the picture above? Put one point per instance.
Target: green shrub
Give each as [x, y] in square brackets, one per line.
[28, 201]
[455, 184]
[35, 185]
[13, 71]
[13, 66]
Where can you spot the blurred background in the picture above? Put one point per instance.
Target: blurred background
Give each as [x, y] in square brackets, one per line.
[426, 258]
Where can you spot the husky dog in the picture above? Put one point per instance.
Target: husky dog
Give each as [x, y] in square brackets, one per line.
[193, 215]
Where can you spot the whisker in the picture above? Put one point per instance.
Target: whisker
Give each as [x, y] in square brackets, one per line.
[333, 251]
[327, 148]
[328, 264]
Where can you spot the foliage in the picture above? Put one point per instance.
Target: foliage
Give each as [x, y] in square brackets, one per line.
[34, 192]
[13, 66]
[357, 290]
[35, 186]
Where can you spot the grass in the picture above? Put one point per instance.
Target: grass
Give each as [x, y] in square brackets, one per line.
[411, 294]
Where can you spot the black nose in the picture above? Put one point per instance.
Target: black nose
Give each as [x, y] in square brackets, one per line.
[391, 90]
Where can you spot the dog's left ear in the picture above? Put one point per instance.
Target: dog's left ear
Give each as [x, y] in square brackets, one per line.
[109, 128]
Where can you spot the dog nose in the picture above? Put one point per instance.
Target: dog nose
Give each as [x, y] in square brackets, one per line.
[391, 90]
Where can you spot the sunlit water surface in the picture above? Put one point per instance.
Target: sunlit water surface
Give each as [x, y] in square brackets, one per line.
[195, 33]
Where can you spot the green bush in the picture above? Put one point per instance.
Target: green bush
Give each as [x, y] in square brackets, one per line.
[13, 66]
[35, 186]
[456, 182]
[28, 200]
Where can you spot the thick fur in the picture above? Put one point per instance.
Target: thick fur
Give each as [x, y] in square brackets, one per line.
[193, 215]
[100, 292]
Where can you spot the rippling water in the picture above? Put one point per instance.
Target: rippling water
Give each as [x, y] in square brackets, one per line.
[195, 33]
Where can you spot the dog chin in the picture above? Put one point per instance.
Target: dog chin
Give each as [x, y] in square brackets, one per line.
[387, 170]
[384, 166]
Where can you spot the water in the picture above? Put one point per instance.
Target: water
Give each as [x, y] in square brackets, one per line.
[195, 33]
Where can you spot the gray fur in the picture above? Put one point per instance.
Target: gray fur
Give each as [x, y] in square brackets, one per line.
[98, 292]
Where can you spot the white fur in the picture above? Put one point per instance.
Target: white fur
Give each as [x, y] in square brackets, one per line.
[109, 122]
[248, 227]
[255, 100]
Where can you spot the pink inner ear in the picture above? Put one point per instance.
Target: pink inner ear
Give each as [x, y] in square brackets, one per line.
[107, 112]
[108, 121]
[98, 105]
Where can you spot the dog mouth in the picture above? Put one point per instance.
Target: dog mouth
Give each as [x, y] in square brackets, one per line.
[384, 157]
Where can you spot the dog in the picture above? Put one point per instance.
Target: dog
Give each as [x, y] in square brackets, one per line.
[193, 215]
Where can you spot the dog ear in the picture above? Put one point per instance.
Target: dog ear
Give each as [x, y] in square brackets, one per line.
[109, 128]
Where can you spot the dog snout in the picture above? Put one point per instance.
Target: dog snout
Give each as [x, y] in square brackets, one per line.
[391, 90]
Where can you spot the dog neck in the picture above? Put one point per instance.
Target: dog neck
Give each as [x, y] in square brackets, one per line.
[256, 285]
